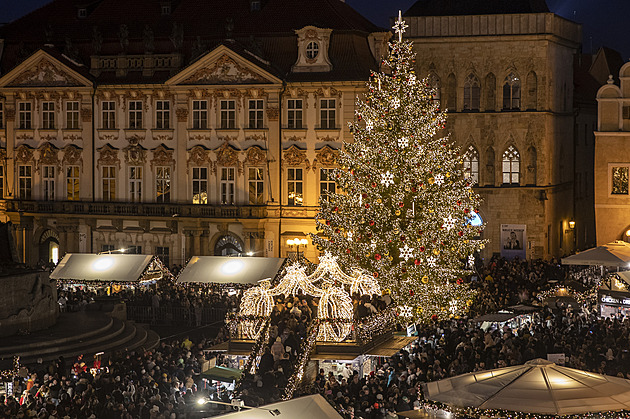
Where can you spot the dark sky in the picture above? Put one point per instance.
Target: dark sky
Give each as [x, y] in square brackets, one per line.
[605, 22]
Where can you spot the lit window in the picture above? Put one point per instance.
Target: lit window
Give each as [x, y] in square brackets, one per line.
[511, 166]
[163, 183]
[619, 180]
[109, 183]
[72, 183]
[200, 185]
[294, 187]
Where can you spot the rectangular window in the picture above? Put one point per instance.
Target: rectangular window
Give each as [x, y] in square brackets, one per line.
[294, 114]
[200, 114]
[228, 114]
[134, 250]
[227, 185]
[25, 182]
[164, 254]
[163, 183]
[1, 115]
[200, 185]
[619, 180]
[162, 114]
[294, 186]
[25, 115]
[109, 183]
[256, 185]
[107, 248]
[48, 115]
[1, 182]
[72, 115]
[48, 177]
[135, 184]
[326, 183]
[72, 183]
[135, 114]
[327, 109]
[255, 114]
[108, 110]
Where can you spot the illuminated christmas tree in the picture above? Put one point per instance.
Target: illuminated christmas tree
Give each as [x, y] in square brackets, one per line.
[404, 202]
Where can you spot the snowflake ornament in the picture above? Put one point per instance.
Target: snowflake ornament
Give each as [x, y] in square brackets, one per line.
[373, 244]
[369, 125]
[349, 235]
[431, 261]
[405, 311]
[395, 103]
[403, 142]
[471, 261]
[453, 306]
[406, 252]
[387, 178]
[449, 223]
[439, 179]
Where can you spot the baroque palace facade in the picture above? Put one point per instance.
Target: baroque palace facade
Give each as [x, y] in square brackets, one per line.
[183, 128]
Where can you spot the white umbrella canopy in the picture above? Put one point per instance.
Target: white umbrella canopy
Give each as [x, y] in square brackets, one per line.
[616, 253]
[538, 386]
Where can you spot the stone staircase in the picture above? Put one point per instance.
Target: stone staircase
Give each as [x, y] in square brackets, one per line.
[74, 334]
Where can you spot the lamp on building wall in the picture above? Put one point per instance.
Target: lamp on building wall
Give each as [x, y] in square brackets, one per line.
[572, 224]
[297, 242]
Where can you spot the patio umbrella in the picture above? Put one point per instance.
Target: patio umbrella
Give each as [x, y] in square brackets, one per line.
[616, 253]
[538, 386]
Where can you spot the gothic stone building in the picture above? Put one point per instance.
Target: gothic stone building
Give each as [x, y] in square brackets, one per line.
[176, 128]
[504, 71]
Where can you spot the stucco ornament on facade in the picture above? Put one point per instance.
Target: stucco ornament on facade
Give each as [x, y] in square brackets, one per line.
[48, 155]
[134, 154]
[23, 154]
[255, 156]
[326, 157]
[45, 73]
[197, 156]
[72, 155]
[108, 156]
[162, 156]
[227, 156]
[224, 71]
[293, 156]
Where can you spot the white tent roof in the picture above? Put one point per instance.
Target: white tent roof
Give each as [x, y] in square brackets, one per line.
[307, 407]
[224, 269]
[538, 386]
[616, 253]
[105, 267]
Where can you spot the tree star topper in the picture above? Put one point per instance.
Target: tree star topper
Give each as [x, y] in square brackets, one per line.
[400, 26]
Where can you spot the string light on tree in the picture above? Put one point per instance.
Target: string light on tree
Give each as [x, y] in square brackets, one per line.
[402, 186]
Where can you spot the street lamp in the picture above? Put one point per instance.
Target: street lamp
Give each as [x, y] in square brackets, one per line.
[297, 242]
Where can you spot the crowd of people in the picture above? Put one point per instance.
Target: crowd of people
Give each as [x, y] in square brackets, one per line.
[162, 383]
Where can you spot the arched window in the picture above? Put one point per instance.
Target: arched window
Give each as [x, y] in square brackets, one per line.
[532, 91]
[434, 83]
[228, 245]
[491, 96]
[511, 166]
[472, 93]
[512, 92]
[451, 92]
[471, 164]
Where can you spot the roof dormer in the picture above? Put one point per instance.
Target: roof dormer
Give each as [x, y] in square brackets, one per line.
[312, 50]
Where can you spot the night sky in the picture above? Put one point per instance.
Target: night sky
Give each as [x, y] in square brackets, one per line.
[605, 22]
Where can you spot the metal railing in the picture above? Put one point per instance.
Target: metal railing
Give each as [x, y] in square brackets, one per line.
[175, 315]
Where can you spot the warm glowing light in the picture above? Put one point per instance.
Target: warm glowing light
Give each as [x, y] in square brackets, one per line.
[102, 264]
[232, 267]
[572, 224]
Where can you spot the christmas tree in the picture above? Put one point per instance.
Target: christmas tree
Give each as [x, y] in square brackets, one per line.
[403, 204]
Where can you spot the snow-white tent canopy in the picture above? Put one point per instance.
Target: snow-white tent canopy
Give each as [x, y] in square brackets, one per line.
[108, 268]
[616, 253]
[538, 386]
[307, 407]
[225, 270]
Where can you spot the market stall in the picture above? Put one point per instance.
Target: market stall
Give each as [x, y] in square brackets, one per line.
[230, 270]
[616, 254]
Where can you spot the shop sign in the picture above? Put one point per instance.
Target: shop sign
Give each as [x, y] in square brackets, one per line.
[608, 299]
